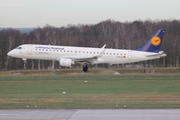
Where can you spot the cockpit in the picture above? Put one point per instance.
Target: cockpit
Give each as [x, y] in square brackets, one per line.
[19, 48]
[17, 52]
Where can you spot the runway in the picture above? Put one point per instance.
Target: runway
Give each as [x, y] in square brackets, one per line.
[89, 114]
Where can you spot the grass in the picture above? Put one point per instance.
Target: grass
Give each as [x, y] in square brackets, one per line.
[100, 91]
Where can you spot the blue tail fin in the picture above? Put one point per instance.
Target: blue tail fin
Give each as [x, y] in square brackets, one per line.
[154, 44]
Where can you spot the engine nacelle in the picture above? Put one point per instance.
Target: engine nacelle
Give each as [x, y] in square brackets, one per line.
[66, 62]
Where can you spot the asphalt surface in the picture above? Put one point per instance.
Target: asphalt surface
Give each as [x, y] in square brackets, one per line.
[89, 114]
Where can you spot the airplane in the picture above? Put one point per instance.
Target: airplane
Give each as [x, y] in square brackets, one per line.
[68, 55]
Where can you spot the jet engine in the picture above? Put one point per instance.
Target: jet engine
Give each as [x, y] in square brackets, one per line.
[66, 62]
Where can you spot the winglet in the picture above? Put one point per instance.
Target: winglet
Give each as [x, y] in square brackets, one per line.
[104, 46]
[101, 53]
[154, 44]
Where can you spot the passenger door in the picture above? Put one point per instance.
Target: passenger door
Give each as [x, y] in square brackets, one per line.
[30, 48]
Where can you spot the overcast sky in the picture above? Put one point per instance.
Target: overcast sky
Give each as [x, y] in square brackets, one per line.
[58, 13]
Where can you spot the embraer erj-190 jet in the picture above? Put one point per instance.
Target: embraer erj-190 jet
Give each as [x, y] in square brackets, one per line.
[68, 56]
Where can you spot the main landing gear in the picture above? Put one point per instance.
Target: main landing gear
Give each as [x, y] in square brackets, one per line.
[85, 67]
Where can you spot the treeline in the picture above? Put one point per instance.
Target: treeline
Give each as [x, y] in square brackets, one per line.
[118, 35]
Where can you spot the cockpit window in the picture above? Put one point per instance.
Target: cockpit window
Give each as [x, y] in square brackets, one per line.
[19, 48]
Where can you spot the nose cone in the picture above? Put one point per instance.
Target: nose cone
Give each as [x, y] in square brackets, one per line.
[10, 53]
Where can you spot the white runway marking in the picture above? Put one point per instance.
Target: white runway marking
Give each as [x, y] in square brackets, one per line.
[8, 114]
[89, 114]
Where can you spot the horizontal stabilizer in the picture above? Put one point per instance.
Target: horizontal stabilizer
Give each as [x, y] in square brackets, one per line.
[160, 54]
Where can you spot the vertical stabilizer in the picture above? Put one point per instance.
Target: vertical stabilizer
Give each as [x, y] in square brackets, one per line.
[154, 44]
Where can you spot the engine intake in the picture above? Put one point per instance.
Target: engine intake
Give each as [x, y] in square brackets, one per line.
[66, 62]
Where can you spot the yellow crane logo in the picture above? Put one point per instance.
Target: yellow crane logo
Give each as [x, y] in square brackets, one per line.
[155, 40]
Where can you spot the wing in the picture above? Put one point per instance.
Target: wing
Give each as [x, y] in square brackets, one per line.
[86, 59]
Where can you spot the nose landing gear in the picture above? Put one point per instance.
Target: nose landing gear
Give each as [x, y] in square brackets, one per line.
[24, 60]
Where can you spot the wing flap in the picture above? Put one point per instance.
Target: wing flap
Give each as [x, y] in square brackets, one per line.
[88, 59]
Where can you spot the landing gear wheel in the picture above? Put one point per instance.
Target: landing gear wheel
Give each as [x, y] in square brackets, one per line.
[85, 68]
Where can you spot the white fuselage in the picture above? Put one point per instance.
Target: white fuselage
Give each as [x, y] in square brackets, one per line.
[51, 52]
